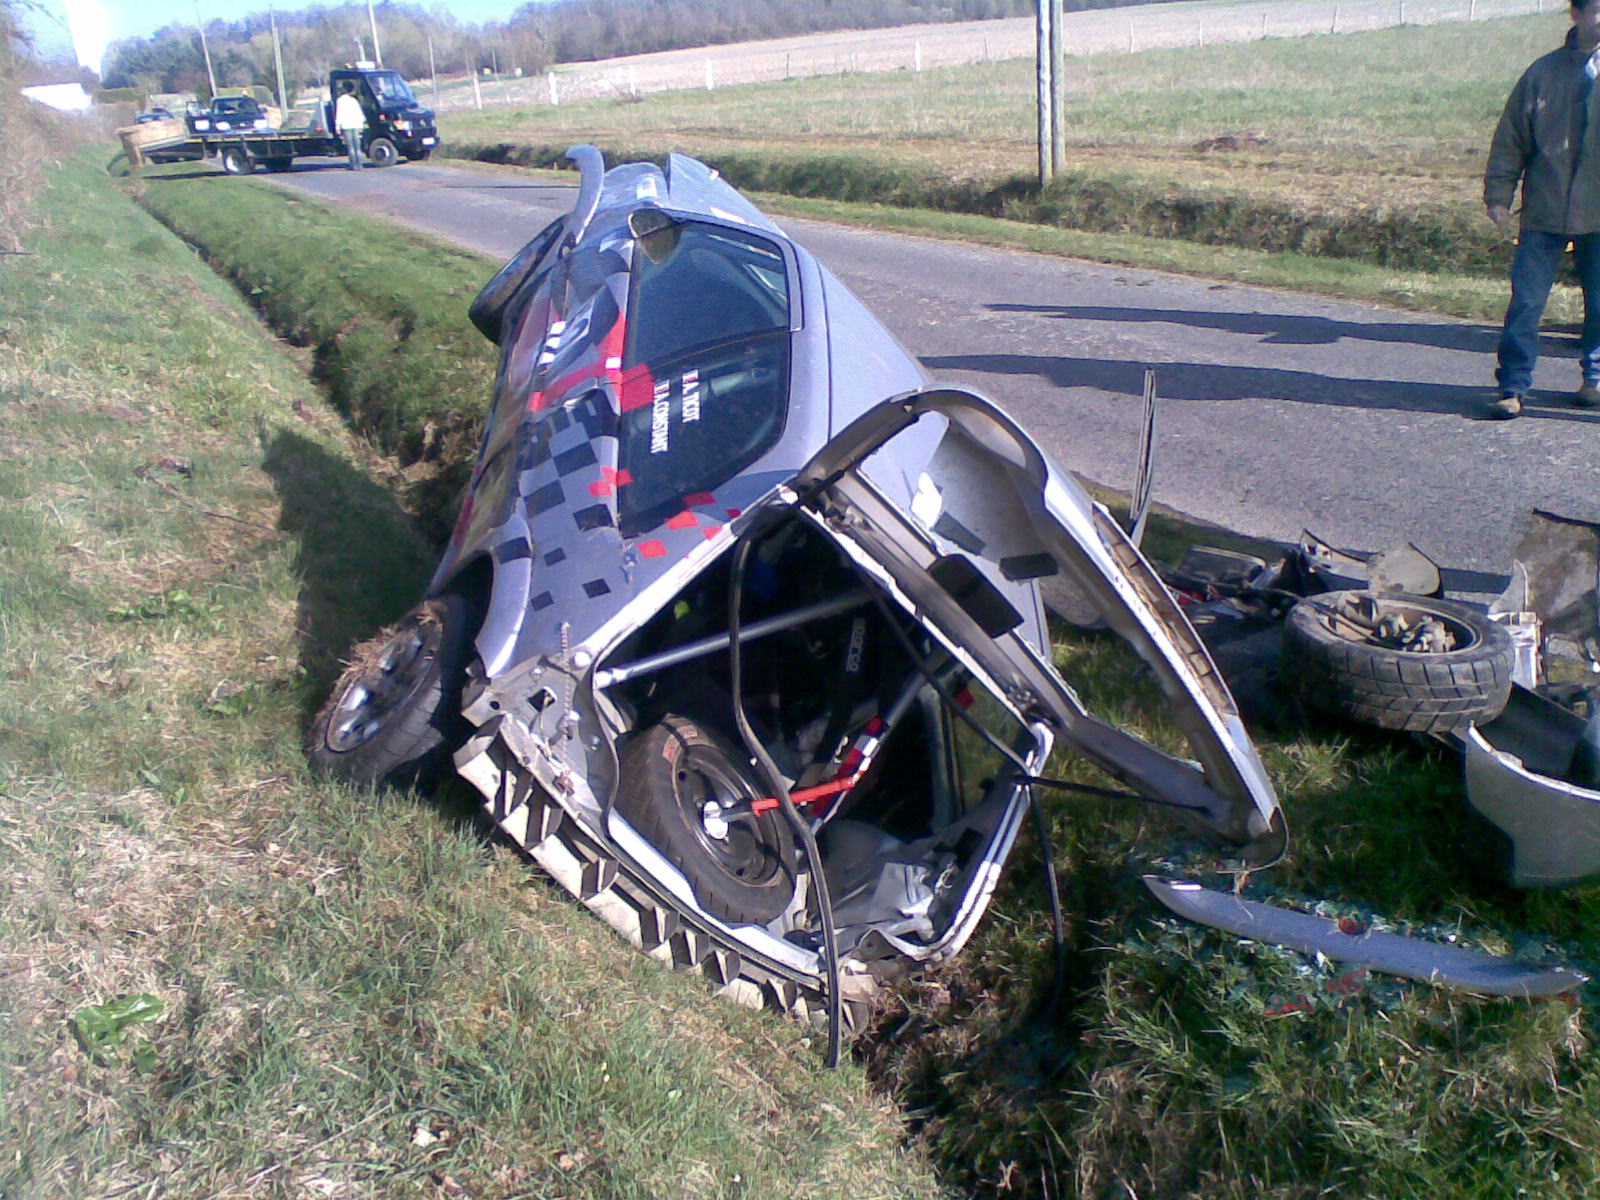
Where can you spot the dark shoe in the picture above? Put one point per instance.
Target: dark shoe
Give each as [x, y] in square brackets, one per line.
[1509, 405]
[1588, 396]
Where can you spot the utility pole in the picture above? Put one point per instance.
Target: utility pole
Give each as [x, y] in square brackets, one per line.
[377, 53]
[205, 49]
[1047, 65]
[1058, 92]
[433, 72]
[277, 58]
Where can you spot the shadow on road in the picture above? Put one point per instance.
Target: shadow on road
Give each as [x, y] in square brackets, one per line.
[1282, 329]
[1210, 382]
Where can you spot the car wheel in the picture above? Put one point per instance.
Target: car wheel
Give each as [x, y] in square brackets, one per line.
[395, 713]
[235, 160]
[741, 868]
[1399, 662]
[381, 152]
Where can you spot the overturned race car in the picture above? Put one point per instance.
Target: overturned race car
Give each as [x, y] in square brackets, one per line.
[740, 633]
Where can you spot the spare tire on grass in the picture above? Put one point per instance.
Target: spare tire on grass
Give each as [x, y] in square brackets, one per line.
[1399, 662]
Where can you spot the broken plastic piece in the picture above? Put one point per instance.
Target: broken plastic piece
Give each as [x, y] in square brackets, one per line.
[1392, 953]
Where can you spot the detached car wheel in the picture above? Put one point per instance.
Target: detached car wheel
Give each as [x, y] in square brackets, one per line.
[395, 714]
[678, 781]
[1399, 662]
[381, 152]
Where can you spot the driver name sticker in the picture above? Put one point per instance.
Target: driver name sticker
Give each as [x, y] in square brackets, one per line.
[661, 417]
[691, 396]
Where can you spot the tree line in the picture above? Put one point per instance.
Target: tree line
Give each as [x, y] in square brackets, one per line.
[419, 43]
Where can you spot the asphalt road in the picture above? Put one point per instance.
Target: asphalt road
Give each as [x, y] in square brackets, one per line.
[1277, 412]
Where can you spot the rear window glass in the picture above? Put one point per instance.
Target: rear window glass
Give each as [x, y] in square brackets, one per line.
[706, 366]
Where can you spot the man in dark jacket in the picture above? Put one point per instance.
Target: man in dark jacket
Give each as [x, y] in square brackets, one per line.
[1548, 142]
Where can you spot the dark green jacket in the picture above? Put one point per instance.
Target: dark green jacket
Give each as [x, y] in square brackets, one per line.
[1549, 140]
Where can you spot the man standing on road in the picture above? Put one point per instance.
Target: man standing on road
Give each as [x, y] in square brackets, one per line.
[351, 122]
[1546, 142]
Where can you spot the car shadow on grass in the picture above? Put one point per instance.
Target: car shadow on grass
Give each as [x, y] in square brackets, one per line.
[361, 561]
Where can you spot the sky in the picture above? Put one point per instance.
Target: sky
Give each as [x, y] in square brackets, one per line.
[86, 27]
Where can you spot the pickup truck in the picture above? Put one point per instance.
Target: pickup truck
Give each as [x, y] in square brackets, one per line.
[398, 127]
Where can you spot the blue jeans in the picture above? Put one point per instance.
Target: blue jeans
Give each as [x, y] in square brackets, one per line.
[1533, 271]
[352, 146]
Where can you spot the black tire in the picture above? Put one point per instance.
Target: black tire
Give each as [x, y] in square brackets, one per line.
[278, 162]
[381, 153]
[667, 773]
[235, 160]
[1337, 668]
[395, 714]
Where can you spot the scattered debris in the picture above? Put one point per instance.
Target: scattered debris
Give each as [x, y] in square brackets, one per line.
[102, 1030]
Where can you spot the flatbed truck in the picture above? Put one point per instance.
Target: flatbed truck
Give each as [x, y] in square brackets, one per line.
[397, 128]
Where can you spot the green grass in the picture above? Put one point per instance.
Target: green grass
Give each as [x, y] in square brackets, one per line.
[383, 324]
[361, 995]
[1342, 150]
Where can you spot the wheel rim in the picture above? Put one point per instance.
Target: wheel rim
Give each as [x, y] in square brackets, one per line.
[1463, 635]
[381, 690]
[745, 850]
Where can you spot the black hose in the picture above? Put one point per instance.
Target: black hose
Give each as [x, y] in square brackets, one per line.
[830, 948]
[1058, 925]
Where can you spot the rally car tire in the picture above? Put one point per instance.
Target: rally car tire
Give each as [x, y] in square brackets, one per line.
[1339, 671]
[667, 773]
[395, 714]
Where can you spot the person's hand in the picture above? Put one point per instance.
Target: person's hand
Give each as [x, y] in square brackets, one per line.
[1499, 214]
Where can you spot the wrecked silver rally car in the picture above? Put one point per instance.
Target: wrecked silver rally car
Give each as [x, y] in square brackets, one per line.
[740, 633]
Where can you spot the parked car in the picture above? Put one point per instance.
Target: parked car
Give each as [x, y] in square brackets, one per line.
[228, 114]
[154, 114]
[740, 630]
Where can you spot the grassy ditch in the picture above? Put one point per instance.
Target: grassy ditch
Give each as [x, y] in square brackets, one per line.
[317, 993]
[1175, 1062]
[1324, 146]
[383, 320]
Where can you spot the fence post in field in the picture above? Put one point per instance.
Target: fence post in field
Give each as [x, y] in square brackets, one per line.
[554, 99]
[1334, 27]
[633, 81]
[710, 83]
[916, 55]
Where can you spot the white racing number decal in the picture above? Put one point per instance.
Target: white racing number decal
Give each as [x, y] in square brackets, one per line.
[691, 396]
[661, 417]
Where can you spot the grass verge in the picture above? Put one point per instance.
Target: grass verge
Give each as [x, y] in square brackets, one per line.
[1181, 1062]
[355, 995]
[383, 322]
[1290, 159]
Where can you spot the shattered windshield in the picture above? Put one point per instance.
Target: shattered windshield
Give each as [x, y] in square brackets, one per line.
[706, 366]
